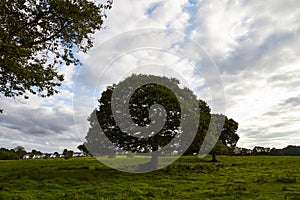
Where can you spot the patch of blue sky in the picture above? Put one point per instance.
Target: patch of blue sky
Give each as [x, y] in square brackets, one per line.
[192, 10]
[193, 2]
[202, 92]
[152, 8]
[67, 101]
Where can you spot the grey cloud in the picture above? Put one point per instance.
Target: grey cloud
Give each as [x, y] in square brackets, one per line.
[286, 106]
[37, 121]
[264, 46]
[271, 113]
[292, 102]
[266, 134]
[282, 124]
[33, 124]
[285, 77]
[265, 57]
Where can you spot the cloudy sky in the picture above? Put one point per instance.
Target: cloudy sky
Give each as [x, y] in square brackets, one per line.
[251, 47]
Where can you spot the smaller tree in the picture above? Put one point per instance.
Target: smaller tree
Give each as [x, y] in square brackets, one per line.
[219, 149]
[33, 153]
[20, 151]
[19, 148]
[228, 138]
[68, 154]
[56, 154]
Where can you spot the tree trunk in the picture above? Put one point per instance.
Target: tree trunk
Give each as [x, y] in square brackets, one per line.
[214, 159]
[152, 165]
[154, 161]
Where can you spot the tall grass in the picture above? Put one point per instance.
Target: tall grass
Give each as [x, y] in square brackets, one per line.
[260, 177]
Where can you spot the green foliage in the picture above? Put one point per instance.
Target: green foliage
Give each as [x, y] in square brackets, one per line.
[139, 105]
[96, 141]
[83, 149]
[13, 154]
[228, 138]
[7, 155]
[222, 149]
[287, 151]
[204, 121]
[31, 32]
[247, 177]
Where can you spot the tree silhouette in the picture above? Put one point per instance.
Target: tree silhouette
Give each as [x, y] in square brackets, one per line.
[144, 112]
[228, 137]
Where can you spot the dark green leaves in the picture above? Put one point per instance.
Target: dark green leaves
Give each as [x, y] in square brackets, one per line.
[38, 36]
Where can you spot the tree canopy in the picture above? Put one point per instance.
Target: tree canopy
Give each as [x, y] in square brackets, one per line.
[38, 36]
[139, 109]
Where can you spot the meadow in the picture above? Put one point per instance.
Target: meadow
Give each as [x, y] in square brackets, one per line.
[245, 177]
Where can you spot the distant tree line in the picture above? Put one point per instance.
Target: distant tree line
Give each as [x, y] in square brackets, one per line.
[12, 154]
[290, 150]
[19, 152]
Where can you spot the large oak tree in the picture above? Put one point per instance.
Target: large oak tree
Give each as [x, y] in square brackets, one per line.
[140, 108]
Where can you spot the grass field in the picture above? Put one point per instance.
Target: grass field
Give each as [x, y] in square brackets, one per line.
[257, 177]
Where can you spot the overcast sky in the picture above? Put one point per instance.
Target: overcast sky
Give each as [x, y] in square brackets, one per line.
[253, 44]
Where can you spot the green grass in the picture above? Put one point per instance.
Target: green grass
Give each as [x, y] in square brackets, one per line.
[259, 177]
